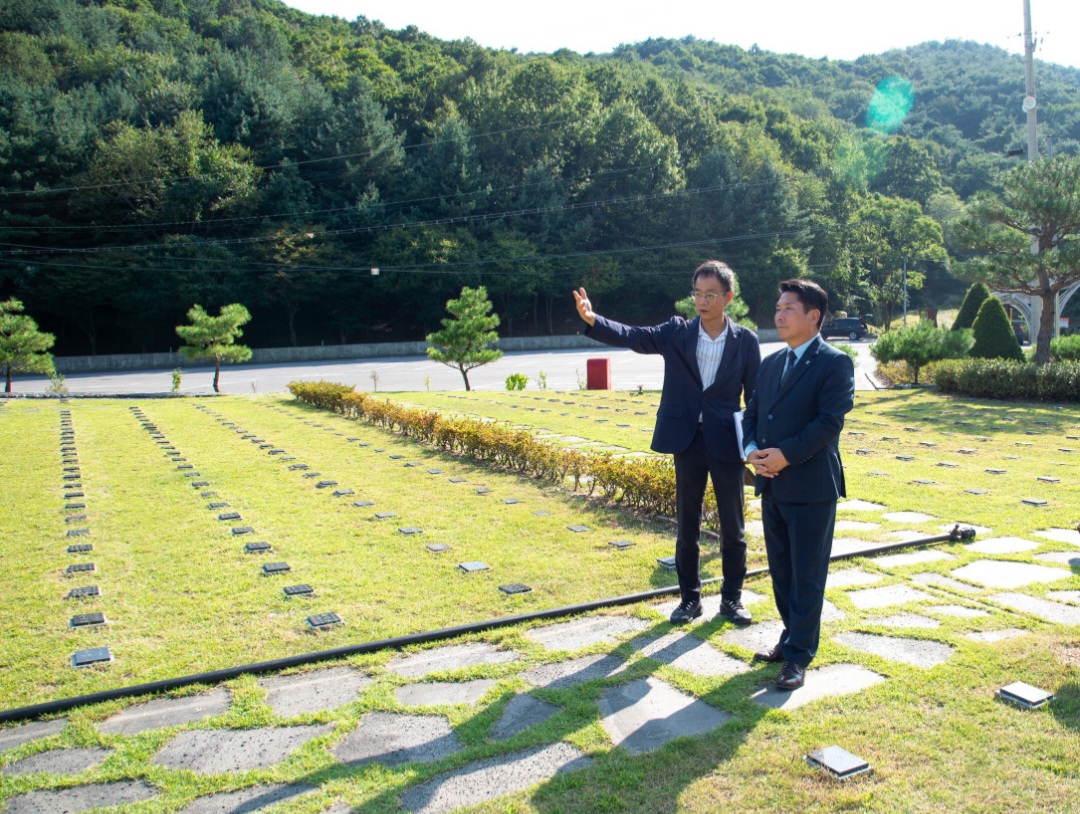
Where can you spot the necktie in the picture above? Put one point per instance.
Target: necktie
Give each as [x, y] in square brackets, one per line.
[789, 366]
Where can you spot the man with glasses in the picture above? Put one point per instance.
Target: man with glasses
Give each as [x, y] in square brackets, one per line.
[710, 370]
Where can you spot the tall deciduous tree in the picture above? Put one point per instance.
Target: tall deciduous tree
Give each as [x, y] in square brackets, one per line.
[23, 348]
[215, 338]
[1029, 236]
[463, 341]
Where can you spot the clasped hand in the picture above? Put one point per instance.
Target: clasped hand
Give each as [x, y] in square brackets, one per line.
[767, 462]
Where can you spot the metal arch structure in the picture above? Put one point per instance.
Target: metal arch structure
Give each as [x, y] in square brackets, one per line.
[1030, 307]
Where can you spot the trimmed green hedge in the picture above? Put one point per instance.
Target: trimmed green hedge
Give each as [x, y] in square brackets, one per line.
[646, 484]
[1006, 379]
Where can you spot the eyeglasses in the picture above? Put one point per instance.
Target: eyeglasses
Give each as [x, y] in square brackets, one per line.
[706, 296]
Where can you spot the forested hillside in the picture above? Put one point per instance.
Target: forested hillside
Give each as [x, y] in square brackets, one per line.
[160, 153]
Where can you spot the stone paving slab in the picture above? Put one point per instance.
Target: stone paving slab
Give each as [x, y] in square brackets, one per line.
[990, 636]
[686, 652]
[393, 739]
[643, 715]
[759, 636]
[998, 574]
[491, 778]
[831, 613]
[905, 620]
[1070, 536]
[246, 801]
[13, 736]
[1001, 545]
[883, 597]
[942, 581]
[1072, 597]
[957, 611]
[166, 712]
[850, 577]
[847, 545]
[314, 691]
[522, 711]
[912, 558]
[710, 604]
[438, 693]
[855, 525]
[906, 536]
[908, 517]
[916, 652]
[58, 761]
[825, 682]
[575, 671]
[216, 751]
[1063, 557]
[585, 632]
[451, 657]
[859, 506]
[1043, 608]
[80, 798]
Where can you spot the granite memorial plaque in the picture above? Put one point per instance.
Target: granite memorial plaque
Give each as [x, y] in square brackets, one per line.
[275, 568]
[325, 484]
[515, 588]
[1025, 695]
[384, 515]
[87, 619]
[621, 544]
[95, 655]
[343, 492]
[298, 590]
[578, 528]
[255, 548]
[83, 548]
[238, 530]
[363, 504]
[667, 562]
[838, 762]
[322, 621]
[84, 592]
[474, 565]
[437, 548]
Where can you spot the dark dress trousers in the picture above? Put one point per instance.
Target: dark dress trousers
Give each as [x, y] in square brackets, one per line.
[697, 426]
[803, 416]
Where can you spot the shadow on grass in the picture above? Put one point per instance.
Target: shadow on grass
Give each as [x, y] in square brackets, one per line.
[1066, 705]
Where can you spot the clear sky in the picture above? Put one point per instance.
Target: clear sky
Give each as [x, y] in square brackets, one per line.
[837, 29]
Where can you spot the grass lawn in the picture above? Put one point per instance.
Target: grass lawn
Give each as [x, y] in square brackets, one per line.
[181, 596]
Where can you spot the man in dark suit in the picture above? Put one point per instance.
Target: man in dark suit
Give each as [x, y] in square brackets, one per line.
[792, 429]
[710, 367]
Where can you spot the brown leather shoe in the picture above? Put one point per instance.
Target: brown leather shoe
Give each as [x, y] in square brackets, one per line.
[774, 656]
[791, 677]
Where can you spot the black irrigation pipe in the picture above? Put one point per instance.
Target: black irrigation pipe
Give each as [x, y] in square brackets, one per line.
[216, 676]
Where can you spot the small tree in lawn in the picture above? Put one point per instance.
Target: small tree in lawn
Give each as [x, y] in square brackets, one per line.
[23, 348]
[215, 338]
[921, 345]
[463, 341]
[994, 334]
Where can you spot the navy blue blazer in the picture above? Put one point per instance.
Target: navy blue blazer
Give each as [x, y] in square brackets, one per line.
[803, 417]
[683, 398]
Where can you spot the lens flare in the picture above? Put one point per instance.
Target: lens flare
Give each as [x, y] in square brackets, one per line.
[890, 104]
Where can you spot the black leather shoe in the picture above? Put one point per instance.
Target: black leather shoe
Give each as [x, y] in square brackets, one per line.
[733, 610]
[691, 609]
[791, 677]
[774, 656]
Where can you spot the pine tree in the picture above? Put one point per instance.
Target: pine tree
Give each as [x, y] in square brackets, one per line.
[215, 338]
[969, 308]
[23, 348]
[463, 341]
[994, 335]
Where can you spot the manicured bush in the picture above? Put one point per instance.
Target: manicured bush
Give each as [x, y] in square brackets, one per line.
[969, 308]
[516, 381]
[1065, 348]
[920, 345]
[1007, 379]
[994, 335]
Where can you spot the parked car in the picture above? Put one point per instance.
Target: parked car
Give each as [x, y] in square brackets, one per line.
[851, 327]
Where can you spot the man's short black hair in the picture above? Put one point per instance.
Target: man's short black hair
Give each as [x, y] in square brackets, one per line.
[810, 294]
[718, 269]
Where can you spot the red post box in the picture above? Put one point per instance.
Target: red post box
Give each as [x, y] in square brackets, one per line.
[599, 373]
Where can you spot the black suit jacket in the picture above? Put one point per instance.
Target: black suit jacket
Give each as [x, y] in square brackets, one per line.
[803, 417]
[683, 398]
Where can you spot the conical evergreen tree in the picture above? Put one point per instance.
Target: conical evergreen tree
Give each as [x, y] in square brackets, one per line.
[969, 308]
[994, 336]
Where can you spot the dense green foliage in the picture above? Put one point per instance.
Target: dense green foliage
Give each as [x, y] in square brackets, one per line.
[921, 345]
[969, 308]
[1009, 379]
[1065, 348]
[23, 348]
[158, 154]
[215, 338]
[994, 334]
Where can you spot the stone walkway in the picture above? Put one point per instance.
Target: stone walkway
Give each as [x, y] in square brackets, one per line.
[888, 610]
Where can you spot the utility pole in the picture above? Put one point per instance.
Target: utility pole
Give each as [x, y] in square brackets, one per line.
[1029, 84]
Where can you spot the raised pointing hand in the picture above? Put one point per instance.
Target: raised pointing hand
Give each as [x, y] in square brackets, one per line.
[584, 307]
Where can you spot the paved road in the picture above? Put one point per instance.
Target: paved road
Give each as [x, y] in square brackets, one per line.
[565, 369]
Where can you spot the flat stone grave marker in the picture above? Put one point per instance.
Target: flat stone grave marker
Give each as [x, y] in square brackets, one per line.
[74, 506]
[456, 480]
[75, 518]
[343, 492]
[207, 494]
[437, 548]
[69, 495]
[312, 474]
[256, 798]
[976, 491]
[324, 621]
[297, 590]
[996, 471]
[271, 568]
[298, 467]
[395, 457]
[91, 656]
[410, 530]
[824, 682]
[81, 798]
[240, 530]
[363, 504]
[229, 516]
[645, 714]
[257, 548]
[393, 739]
[1048, 479]
[541, 513]
[483, 490]
[201, 484]
[515, 588]
[474, 565]
[80, 568]
[621, 545]
[666, 562]
[916, 652]
[997, 574]
[447, 658]
[578, 528]
[218, 505]
[163, 712]
[384, 515]
[434, 471]
[217, 751]
[84, 593]
[1034, 501]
